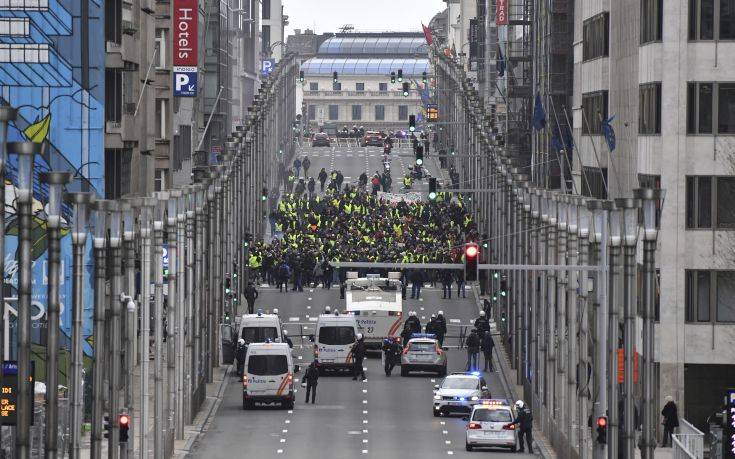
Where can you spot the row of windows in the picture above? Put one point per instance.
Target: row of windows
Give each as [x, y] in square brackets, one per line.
[314, 86]
[357, 112]
[712, 19]
[709, 202]
[710, 296]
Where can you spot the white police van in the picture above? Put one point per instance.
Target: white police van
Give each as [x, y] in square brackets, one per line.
[268, 375]
[259, 328]
[335, 335]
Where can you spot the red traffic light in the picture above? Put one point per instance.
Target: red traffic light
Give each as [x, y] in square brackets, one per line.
[602, 421]
[471, 251]
[124, 419]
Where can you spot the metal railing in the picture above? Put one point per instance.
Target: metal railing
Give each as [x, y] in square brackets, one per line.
[688, 442]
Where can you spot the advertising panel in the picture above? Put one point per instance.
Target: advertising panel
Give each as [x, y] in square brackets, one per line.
[185, 21]
[501, 12]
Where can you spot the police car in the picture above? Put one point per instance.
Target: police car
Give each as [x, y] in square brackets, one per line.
[459, 392]
[491, 425]
[423, 353]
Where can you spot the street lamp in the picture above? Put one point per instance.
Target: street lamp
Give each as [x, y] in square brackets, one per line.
[650, 199]
[26, 152]
[81, 201]
[55, 182]
[145, 222]
[161, 426]
[99, 239]
[130, 206]
[173, 302]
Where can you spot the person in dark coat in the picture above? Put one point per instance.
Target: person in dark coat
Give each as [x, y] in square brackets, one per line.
[311, 379]
[431, 325]
[414, 322]
[322, 178]
[284, 272]
[487, 346]
[392, 354]
[670, 420]
[482, 324]
[417, 281]
[297, 166]
[524, 420]
[306, 163]
[473, 350]
[251, 294]
[446, 280]
[240, 353]
[358, 355]
[286, 339]
[441, 328]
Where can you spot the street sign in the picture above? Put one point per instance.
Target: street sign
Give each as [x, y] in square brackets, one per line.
[185, 81]
[501, 12]
[432, 113]
[9, 392]
[267, 66]
[728, 434]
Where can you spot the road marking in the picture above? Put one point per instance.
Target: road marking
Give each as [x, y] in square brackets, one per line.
[422, 308]
[287, 421]
[309, 300]
[293, 319]
[283, 440]
[455, 321]
[353, 432]
[364, 411]
[442, 422]
[423, 317]
[444, 432]
[364, 451]
[308, 307]
[285, 431]
[280, 451]
[450, 452]
[364, 421]
[364, 391]
[448, 442]
[364, 440]
[364, 402]
[313, 319]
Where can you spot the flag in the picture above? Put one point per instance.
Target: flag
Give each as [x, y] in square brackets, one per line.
[501, 62]
[556, 142]
[539, 115]
[608, 132]
[427, 34]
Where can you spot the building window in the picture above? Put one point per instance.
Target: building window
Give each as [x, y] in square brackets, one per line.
[359, 86]
[711, 19]
[594, 110]
[383, 87]
[159, 180]
[313, 86]
[710, 295]
[182, 146]
[709, 201]
[593, 182]
[160, 48]
[596, 36]
[113, 20]
[649, 108]
[161, 105]
[312, 112]
[117, 172]
[333, 112]
[651, 20]
[356, 112]
[402, 112]
[113, 95]
[336, 86]
[265, 36]
[708, 105]
[266, 9]
[380, 113]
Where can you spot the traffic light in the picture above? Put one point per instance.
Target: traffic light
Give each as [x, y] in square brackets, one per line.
[471, 255]
[419, 155]
[602, 430]
[411, 123]
[485, 242]
[406, 89]
[335, 77]
[503, 287]
[107, 426]
[400, 75]
[424, 78]
[301, 76]
[432, 188]
[228, 284]
[264, 194]
[392, 77]
[123, 421]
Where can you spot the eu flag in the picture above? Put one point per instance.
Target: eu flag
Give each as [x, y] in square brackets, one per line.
[608, 132]
[539, 115]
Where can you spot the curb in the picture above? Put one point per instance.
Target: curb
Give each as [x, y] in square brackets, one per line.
[198, 430]
[541, 448]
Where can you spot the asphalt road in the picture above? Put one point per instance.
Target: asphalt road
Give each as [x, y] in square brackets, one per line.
[383, 417]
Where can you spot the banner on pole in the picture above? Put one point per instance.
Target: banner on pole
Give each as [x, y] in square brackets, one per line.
[501, 12]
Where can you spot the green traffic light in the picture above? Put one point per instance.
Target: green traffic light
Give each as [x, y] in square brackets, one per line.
[503, 293]
[419, 161]
[412, 128]
[405, 93]
[432, 196]
[234, 275]
[496, 275]
[227, 291]
[495, 298]
[263, 198]
[484, 245]
[246, 244]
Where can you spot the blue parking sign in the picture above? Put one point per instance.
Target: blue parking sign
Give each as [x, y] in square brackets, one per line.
[268, 66]
[185, 81]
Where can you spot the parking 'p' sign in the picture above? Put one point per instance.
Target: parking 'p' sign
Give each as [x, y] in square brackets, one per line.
[268, 66]
[185, 82]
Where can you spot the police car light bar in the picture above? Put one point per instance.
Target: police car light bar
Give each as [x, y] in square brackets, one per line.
[423, 335]
[494, 401]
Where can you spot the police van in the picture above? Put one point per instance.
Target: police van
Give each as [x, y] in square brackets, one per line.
[268, 375]
[259, 328]
[335, 335]
[377, 304]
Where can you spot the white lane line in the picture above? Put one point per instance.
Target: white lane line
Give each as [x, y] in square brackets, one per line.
[364, 440]
[283, 440]
[284, 430]
[364, 402]
[287, 421]
[279, 451]
[293, 319]
[364, 451]
[364, 411]
[364, 431]
[309, 300]
[444, 432]
[364, 391]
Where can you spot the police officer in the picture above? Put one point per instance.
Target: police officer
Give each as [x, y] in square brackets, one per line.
[358, 355]
[311, 379]
[240, 352]
[482, 324]
[251, 294]
[415, 323]
[392, 353]
[524, 420]
[487, 345]
[441, 327]
[286, 339]
[431, 325]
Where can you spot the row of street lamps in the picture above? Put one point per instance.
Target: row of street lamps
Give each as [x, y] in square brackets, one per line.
[561, 328]
[205, 228]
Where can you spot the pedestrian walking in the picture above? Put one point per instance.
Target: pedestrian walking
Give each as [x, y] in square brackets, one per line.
[670, 420]
[284, 273]
[487, 345]
[473, 350]
[391, 354]
[311, 186]
[322, 178]
[311, 379]
[441, 327]
[461, 283]
[524, 420]
[251, 294]
[446, 280]
[417, 281]
[297, 166]
[358, 355]
[306, 164]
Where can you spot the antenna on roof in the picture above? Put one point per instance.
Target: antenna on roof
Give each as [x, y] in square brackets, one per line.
[347, 28]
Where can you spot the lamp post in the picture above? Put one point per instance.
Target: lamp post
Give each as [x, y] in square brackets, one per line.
[173, 306]
[561, 310]
[26, 152]
[211, 275]
[146, 217]
[81, 201]
[583, 233]
[160, 425]
[630, 241]
[115, 253]
[130, 207]
[615, 297]
[548, 216]
[571, 318]
[190, 367]
[182, 310]
[650, 199]
[55, 182]
[99, 240]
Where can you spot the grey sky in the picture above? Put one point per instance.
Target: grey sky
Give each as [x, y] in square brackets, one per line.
[366, 15]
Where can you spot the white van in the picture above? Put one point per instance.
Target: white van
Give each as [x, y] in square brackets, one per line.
[259, 328]
[335, 335]
[268, 375]
[377, 305]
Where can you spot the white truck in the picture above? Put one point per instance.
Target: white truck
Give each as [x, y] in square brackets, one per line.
[333, 341]
[377, 304]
